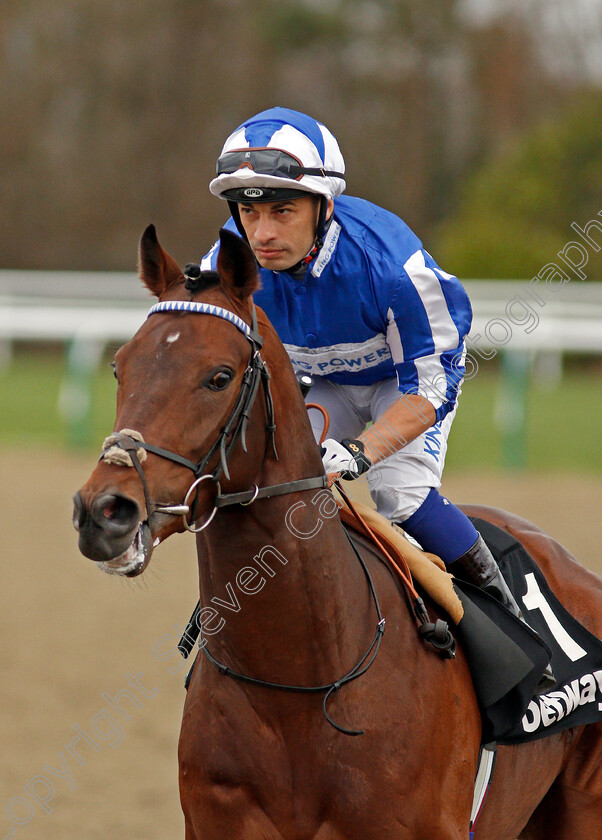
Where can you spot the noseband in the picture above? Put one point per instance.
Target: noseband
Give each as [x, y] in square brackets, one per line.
[233, 429]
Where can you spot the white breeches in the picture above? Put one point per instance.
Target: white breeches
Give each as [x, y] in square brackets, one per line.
[400, 483]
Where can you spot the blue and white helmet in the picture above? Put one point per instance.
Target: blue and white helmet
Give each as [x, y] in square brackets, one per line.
[279, 154]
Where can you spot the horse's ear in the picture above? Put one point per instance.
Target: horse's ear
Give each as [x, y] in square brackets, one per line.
[236, 266]
[158, 270]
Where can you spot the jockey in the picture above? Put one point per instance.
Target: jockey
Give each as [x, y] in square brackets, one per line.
[364, 309]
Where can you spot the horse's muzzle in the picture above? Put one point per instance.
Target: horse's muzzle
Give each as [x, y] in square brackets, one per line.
[110, 528]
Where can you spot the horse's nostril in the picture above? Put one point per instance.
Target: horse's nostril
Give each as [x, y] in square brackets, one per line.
[115, 513]
[110, 509]
[79, 511]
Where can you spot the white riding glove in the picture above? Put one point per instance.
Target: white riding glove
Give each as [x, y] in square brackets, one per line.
[346, 458]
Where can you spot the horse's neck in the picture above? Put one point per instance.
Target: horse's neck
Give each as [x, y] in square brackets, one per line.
[292, 601]
[291, 598]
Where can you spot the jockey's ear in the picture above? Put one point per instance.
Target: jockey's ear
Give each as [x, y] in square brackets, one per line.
[236, 266]
[157, 269]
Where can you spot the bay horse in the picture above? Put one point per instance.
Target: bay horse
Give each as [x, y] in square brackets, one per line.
[285, 600]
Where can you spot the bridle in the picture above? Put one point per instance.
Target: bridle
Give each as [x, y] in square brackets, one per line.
[233, 430]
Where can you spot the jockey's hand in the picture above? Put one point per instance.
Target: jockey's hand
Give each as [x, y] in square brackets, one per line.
[346, 458]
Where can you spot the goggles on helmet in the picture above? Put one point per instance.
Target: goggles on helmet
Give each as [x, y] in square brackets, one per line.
[268, 161]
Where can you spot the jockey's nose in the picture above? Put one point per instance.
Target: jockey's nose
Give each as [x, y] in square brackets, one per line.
[264, 229]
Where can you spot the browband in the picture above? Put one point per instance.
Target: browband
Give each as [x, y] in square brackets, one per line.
[201, 309]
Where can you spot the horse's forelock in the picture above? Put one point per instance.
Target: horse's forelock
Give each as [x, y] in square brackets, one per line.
[204, 280]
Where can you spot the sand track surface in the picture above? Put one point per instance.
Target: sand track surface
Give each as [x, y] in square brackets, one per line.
[92, 690]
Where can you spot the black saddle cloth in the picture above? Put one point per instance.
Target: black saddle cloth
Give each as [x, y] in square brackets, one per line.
[507, 658]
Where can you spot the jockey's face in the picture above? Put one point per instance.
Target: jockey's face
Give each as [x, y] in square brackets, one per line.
[281, 232]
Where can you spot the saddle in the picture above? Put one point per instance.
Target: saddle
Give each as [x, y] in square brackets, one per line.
[427, 569]
[505, 656]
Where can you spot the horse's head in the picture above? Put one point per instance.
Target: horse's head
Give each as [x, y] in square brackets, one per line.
[187, 383]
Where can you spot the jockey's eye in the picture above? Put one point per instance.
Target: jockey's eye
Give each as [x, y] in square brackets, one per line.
[220, 380]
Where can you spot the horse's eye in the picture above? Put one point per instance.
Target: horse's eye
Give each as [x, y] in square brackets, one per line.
[220, 380]
[114, 369]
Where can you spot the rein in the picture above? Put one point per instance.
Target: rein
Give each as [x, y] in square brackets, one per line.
[328, 690]
[436, 633]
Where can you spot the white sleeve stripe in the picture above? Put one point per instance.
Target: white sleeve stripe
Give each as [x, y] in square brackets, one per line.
[428, 285]
[440, 273]
[432, 382]
[394, 338]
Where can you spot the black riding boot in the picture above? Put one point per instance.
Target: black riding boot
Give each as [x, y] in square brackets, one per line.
[478, 566]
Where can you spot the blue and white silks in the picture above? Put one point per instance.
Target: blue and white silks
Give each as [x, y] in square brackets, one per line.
[373, 304]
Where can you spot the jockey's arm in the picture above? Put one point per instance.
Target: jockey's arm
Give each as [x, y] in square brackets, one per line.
[406, 419]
